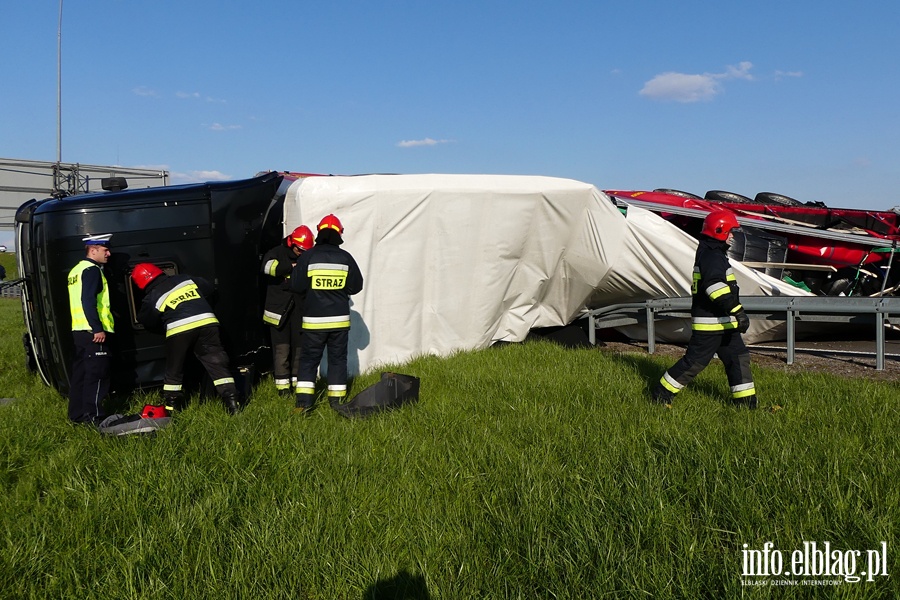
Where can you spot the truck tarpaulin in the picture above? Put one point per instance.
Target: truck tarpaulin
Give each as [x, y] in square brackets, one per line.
[458, 262]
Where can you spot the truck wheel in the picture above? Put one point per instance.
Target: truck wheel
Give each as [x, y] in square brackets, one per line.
[722, 196]
[770, 198]
[837, 287]
[677, 193]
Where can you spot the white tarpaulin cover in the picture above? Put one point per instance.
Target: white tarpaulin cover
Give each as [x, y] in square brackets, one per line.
[457, 262]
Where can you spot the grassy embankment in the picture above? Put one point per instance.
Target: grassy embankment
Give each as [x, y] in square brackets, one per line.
[528, 471]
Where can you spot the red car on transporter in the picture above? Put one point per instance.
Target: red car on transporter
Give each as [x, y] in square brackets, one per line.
[832, 251]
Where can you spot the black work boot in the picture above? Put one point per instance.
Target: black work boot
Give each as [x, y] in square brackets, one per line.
[174, 399]
[749, 402]
[232, 401]
[661, 395]
[303, 404]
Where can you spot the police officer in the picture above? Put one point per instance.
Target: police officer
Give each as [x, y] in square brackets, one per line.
[283, 312]
[717, 318]
[179, 303]
[92, 326]
[327, 275]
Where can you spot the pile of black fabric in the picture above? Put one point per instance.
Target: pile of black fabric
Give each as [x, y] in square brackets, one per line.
[392, 391]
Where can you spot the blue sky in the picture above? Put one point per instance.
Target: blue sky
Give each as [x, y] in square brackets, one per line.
[799, 98]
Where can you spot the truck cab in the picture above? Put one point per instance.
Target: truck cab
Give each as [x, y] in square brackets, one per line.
[217, 230]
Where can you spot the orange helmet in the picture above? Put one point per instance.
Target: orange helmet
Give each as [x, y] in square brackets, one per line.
[719, 223]
[301, 238]
[331, 222]
[144, 273]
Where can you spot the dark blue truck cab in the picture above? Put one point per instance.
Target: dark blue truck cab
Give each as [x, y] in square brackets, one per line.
[216, 230]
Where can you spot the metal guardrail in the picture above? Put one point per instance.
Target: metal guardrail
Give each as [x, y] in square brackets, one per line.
[11, 289]
[864, 311]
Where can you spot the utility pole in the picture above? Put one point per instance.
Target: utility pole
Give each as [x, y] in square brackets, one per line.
[57, 175]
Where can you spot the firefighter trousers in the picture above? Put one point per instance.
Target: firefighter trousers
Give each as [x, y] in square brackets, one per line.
[286, 342]
[207, 347]
[312, 347]
[88, 379]
[700, 351]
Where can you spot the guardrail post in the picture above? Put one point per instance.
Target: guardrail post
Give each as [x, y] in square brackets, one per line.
[879, 341]
[592, 331]
[651, 331]
[790, 337]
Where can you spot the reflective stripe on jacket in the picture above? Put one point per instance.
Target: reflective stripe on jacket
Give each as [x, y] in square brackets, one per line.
[328, 276]
[277, 265]
[714, 289]
[179, 302]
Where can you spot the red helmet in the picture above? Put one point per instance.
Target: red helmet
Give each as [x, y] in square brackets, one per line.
[719, 223]
[144, 273]
[331, 222]
[301, 238]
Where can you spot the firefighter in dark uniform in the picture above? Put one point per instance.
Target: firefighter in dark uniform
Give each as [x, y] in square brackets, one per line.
[179, 303]
[327, 275]
[283, 310]
[717, 318]
[92, 326]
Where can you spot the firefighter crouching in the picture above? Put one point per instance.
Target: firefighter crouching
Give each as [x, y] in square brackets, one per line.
[717, 318]
[179, 303]
[283, 310]
[327, 276]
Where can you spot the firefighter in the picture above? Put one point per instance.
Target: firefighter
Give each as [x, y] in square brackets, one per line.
[327, 275]
[179, 302]
[283, 310]
[92, 327]
[717, 318]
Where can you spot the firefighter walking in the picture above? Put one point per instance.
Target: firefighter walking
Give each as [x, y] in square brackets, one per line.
[283, 309]
[179, 303]
[717, 318]
[327, 275]
[92, 325]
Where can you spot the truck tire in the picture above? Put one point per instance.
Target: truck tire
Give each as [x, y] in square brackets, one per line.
[677, 193]
[771, 198]
[837, 287]
[723, 196]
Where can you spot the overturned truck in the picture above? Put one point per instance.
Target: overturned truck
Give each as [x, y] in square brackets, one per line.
[451, 262]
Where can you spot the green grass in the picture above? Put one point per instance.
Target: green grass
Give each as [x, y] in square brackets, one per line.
[526, 471]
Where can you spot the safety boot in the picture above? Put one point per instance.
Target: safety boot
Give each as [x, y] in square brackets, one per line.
[303, 404]
[748, 402]
[175, 400]
[661, 395]
[232, 402]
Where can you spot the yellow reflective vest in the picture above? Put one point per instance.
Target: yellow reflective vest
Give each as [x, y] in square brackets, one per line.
[80, 321]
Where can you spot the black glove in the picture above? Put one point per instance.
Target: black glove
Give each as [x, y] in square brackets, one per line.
[743, 321]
